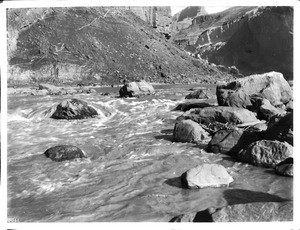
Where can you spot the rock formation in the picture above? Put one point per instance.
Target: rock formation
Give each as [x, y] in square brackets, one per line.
[254, 39]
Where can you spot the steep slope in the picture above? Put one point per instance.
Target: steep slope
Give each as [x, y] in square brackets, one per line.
[254, 39]
[99, 44]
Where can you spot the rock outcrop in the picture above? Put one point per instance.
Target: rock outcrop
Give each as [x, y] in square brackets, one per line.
[64, 152]
[206, 175]
[73, 109]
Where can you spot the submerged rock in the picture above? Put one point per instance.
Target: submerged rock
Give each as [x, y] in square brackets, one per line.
[134, 89]
[74, 109]
[206, 175]
[285, 167]
[189, 131]
[64, 152]
[271, 86]
[198, 94]
[266, 153]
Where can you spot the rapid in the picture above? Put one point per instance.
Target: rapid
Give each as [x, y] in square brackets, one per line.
[133, 168]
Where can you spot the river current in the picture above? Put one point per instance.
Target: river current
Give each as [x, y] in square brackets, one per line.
[133, 167]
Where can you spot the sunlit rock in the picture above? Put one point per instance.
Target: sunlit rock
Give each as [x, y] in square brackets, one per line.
[74, 109]
[271, 86]
[206, 175]
[134, 89]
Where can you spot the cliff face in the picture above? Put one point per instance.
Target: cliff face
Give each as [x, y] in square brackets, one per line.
[183, 19]
[157, 16]
[254, 39]
[100, 44]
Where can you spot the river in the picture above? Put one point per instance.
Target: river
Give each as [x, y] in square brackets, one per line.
[133, 167]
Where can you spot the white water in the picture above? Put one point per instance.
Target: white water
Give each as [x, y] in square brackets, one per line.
[132, 170]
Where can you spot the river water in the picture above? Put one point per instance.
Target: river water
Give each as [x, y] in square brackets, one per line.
[133, 167]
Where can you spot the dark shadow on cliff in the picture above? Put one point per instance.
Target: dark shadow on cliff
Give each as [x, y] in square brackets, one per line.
[242, 196]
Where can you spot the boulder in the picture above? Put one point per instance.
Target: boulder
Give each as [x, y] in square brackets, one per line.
[248, 212]
[189, 131]
[64, 152]
[271, 86]
[281, 129]
[255, 212]
[231, 141]
[266, 153]
[73, 109]
[222, 114]
[206, 175]
[285, 167]
[198, 94]
[185, 106]
[51, 88]
[133, 89]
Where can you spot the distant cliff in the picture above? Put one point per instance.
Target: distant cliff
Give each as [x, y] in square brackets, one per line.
[254, 39]
[104, 45]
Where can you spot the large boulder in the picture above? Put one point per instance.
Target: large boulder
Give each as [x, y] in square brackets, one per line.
[281, 129]
[271, 86]
[206, 175]
[255, 212]
[248, 212]
[266, 153]
[74, 109]
[231, 141]
[51, 88]
[222, 114]
[134, 89]
[198, 94]
[189, 131]
[285, 167]
[64, 152]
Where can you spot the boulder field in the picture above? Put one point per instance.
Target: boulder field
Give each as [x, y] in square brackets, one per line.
[235, 128]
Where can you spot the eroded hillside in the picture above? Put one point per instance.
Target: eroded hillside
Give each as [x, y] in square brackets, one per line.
[100, 44]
